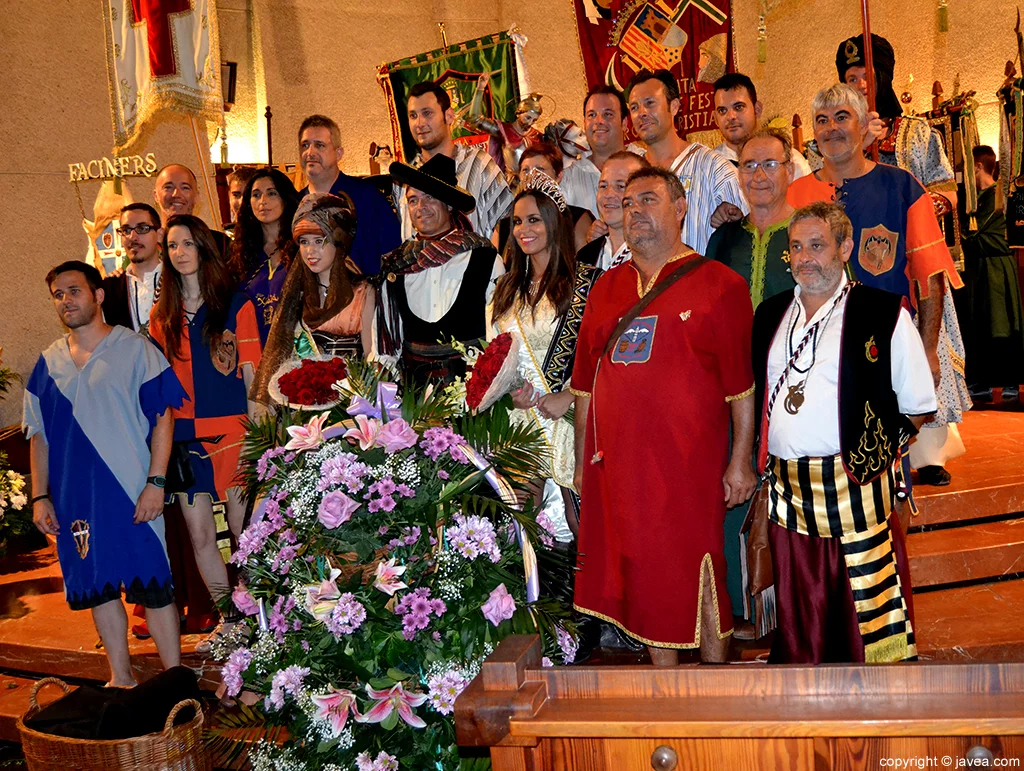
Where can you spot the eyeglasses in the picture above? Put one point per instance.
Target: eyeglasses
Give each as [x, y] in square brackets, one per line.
[769, 166]
[141, 229]
[317, 242]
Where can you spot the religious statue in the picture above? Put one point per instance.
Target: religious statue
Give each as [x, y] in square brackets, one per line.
[507, 140]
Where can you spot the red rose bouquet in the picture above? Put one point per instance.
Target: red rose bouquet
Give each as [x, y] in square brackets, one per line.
[308, 383]
[494, 373]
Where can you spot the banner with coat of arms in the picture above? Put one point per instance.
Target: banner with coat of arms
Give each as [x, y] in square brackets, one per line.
[690, 38]
[161, 54]
[456, 69]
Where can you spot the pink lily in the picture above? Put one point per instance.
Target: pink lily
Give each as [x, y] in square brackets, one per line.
[395, 698]
[321, 599]
[334, 707]
[309, 436]
[366, 434]
[387, 577]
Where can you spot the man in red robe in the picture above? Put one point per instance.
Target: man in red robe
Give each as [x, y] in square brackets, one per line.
[653, 415]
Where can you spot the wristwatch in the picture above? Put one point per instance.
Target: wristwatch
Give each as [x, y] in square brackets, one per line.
[157, 481]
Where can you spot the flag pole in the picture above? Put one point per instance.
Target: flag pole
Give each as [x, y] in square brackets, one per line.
[211, 199]
[869, 67]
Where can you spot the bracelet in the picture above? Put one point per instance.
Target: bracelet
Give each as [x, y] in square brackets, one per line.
[41, 497]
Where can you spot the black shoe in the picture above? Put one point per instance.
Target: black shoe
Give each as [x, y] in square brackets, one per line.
[588, 633]
[935, 476]
[619, 639]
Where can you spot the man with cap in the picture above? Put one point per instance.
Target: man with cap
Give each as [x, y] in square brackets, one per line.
[431, 118]
[435, 287]
[910, 143]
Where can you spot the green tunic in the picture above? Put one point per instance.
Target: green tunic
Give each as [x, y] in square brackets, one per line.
[994, 348]
[763, 260]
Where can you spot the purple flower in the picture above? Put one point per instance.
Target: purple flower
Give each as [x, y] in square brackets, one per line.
[277, 620]
[442, 475]
[286, 682]
[387, 503]
[336, 509]
[472, 536]
[438, 440]
[567, 643]
[264, 469]
[348, 615]
[386, 486]
[244, 601]
[342, 470]
[415, 608]
[500, 605]
[396, 435]
[444, 689]
[233, 669]
[405, 491]
[384, 762]
[282, 563]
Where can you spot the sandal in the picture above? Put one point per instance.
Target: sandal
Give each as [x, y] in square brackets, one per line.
[223, 629]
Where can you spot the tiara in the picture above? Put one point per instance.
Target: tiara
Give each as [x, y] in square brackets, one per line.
[540, 182]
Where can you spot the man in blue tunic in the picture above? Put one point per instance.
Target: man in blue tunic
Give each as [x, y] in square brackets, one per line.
[97, 415]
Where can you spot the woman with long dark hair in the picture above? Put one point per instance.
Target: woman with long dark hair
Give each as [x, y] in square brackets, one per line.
[326, 304]
[209, 334]
[540, 301]
[260, 253]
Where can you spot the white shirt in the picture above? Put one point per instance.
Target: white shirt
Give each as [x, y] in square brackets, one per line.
[579, 184]
[609, 259]
[142, 294]
[801, 168]
[814, 431]
[431, 293]
[709, 181]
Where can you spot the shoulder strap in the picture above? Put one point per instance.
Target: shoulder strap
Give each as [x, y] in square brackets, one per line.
[650, 297]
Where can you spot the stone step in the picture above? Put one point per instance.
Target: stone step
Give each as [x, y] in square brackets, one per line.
[14, 702]
[967, 553]
[980, 622]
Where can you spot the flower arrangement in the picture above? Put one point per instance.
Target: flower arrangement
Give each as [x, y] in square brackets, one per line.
[383, 562]
[493, 372]
[15, 517]
[308, 383]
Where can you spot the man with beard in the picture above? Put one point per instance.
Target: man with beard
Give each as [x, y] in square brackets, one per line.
[842, 383]
[604, 121]
[610, 248]
[656, 341]
[898, 245]
[130, 295]
[436, 286]
[712, 187]
[738, 115]
[430, 121]
[97, 413]
[377, 228]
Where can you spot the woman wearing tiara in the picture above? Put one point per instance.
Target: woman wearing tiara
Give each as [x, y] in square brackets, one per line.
[540, 301]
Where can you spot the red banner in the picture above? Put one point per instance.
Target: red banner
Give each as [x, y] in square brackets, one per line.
[691, 38]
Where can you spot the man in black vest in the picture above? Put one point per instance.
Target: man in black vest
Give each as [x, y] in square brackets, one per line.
[436, 286]
[843, 382]
[130, 295]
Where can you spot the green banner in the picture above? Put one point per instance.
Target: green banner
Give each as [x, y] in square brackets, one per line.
[456, 68]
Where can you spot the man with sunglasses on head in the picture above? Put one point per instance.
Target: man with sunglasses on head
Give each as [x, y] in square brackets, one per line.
[131, 295]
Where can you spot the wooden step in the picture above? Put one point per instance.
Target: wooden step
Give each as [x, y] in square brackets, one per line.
[966, 553]
[14, 702]
[981, 622]
[987, 481]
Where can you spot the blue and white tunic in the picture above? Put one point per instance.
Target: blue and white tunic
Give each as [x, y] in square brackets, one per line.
[97, 422]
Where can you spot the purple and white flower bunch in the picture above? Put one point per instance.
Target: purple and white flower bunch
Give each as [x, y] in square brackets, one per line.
[472, 536]
[415, 608]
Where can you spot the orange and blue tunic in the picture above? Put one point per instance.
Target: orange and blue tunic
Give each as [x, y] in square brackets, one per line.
[896, 237]
[211, 420]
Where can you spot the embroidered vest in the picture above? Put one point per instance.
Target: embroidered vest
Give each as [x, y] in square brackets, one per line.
[871, 427]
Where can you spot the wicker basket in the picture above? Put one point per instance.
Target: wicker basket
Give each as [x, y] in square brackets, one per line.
[176, 748]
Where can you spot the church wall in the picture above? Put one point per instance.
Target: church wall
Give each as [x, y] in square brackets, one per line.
[322, 55]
